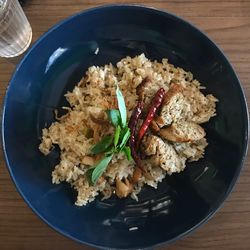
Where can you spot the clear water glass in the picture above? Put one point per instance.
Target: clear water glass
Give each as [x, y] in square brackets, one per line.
[15, 30]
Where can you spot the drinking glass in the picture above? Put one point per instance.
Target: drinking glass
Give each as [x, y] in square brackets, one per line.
[15, 30]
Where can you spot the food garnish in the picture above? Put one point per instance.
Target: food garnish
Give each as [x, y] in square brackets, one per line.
[112, 144]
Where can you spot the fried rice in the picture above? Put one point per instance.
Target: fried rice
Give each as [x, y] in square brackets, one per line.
[85, 123]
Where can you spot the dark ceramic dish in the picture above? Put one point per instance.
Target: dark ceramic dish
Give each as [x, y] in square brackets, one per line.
[57, 61]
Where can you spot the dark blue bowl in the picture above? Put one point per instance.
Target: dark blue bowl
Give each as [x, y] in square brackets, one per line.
[57, 61]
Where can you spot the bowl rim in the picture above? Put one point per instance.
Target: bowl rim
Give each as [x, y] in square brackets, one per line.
[155, 11]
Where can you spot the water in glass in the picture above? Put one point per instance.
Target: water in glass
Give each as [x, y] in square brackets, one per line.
[15, 30]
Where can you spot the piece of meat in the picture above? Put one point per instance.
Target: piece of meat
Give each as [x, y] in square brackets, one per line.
[163, 154]
[174, 107]
[183, 132]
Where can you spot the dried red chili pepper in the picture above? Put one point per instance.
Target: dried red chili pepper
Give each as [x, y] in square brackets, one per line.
[139, 107]
[132, 125]
[134, 154]
[155, 104]
[135, 117]
[134, 120]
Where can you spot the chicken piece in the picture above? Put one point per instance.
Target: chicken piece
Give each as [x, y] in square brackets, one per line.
[174, 108]
[183, 132]
[163, 154]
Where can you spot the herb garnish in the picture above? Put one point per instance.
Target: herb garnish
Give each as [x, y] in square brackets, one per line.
[110, 145]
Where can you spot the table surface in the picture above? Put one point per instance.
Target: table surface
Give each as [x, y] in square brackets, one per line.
[228, 24]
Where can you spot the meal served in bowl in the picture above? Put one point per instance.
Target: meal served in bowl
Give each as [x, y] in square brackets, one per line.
[128, 125]
[90, 144]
